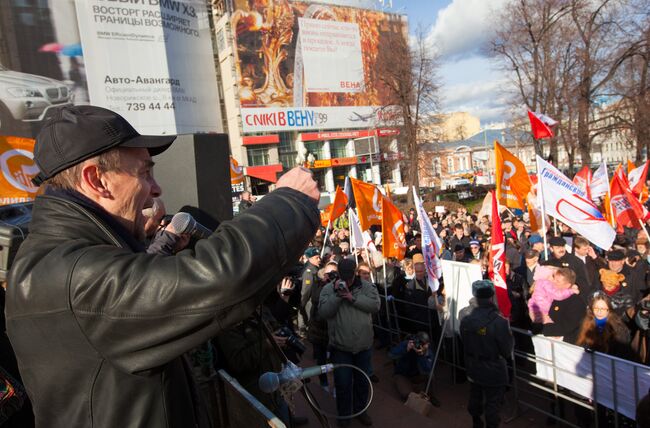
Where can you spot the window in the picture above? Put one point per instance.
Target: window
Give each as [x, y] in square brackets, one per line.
[221, 40]
[287, 149]
[450, 164]
[258, 155]
[338, 148]
[315, 148]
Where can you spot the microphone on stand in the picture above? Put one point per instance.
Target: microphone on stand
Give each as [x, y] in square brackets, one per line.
[271, 381]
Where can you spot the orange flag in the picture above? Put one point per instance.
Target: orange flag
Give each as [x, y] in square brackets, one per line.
[630, 166]
[392, 227]
[368, 200]
[340, 204]
[18, 169]
[513, 183]
[325, 215]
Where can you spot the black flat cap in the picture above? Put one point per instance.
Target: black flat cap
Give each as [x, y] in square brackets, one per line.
[557, 241]
[77, 133]
[616, 255]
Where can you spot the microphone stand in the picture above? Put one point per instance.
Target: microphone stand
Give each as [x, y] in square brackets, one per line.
[269, 335]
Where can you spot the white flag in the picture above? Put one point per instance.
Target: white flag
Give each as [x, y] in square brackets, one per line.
[431, 245]
[356, 240]
[599, 182]
[568, 203]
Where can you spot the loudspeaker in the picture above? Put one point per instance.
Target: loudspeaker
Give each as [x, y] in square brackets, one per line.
[195, 173]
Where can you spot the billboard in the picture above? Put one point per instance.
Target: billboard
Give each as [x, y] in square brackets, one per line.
[302, 65]
[151, 61]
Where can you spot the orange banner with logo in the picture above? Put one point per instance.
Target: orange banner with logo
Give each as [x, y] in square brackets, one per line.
[18, 169]
[325, 215]
[392, 226]
[236, 172]
[513, 183]
[368, 200]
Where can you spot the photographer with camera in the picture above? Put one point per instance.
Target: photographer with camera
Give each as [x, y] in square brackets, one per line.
[348, 305]
[413, 358]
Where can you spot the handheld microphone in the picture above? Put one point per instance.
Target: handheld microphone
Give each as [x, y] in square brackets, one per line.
[185, 223]
[271, 381]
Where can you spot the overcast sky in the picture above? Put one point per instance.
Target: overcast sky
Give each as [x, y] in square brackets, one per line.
[460, 29]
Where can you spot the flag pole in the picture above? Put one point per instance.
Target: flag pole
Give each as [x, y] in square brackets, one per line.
[322, 251]
[386, 296]
[541, 193]
[356, 256]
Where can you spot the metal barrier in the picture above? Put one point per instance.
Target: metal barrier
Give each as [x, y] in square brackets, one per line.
[232, 406]
[529, 389]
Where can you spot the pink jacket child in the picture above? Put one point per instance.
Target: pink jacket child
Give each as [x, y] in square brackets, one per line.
[545, 292]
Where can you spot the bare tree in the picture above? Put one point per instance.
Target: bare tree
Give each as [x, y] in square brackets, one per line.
[530, 43]
[603, 46]
[632, 85]
[408, 71]
[564, 56]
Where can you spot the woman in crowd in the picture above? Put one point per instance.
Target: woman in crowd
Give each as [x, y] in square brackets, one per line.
[602, 330]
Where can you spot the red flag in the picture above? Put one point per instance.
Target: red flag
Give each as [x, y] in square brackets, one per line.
[626, 208]
[498, 260]
[637, 178]
[583, 180]
[339, 205]
[541, 125]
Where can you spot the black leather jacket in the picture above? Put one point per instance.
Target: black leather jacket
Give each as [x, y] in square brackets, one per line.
[99, 329]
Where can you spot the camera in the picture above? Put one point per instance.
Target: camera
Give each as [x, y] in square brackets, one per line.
[292, 340]
[332, 276]
[340, 286]
[418, 341]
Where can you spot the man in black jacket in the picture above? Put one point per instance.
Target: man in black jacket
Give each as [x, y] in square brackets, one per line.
[487, 344]
[98, 325]
[565, 317]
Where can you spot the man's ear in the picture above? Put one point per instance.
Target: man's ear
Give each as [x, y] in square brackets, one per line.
[94, 181]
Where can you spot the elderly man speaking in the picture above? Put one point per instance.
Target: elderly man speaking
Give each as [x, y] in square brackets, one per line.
[98, 325]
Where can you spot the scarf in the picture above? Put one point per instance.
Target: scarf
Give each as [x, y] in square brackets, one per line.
[600, 324]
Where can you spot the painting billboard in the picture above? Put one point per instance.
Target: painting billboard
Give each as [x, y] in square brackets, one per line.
[303, 65]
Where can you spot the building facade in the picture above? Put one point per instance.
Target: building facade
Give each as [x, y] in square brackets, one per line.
[361, 149]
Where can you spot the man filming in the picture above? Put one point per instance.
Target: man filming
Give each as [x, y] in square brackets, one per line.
[348, 305]
[99, 325]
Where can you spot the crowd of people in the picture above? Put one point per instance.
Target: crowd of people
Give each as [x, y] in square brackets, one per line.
[560, 286]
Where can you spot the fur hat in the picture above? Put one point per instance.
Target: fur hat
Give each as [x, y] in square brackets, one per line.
[483, 289]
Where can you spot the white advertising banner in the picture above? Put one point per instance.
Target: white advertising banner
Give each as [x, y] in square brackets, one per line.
[152, 62]
[266, 119]
[593, 375]
[458, 279]
[331, 54]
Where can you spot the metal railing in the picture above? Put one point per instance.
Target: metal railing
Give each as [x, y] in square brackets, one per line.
[531, 391]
